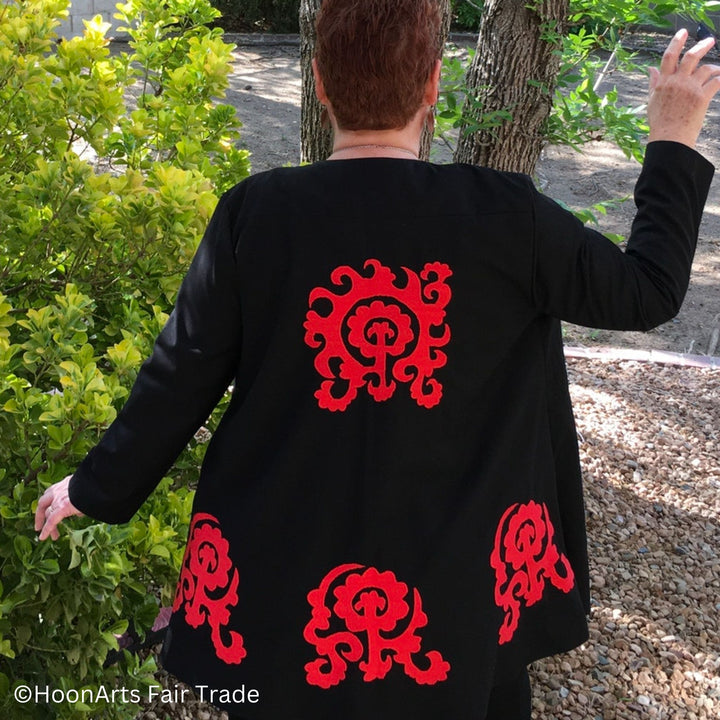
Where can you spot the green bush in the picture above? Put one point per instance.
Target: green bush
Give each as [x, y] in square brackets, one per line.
[467, 14]
[111, 166]
[281, 16]
[278, 16]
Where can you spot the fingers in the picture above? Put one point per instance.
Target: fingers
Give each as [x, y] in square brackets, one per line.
[654, 77]
[706, 75]
[52, 508]
[712, 87]
[706, 72]
[671, 56]
[692, 57]
[52, 520]
[671, 61]
[47, 521]
[44, 503]
[688, 69]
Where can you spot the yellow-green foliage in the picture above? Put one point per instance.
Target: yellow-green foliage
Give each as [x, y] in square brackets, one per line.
[110, 166]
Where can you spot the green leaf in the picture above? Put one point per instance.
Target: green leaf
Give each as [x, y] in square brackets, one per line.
[23, 547]
[160, 551]
[6, 649]
[118, 628]
[110, 640]
[22, 635]
[48, 567]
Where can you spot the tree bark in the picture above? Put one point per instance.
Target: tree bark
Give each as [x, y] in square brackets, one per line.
[316, 141]
[515, 69]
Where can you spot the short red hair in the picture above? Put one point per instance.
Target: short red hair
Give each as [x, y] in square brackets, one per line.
[375, 58]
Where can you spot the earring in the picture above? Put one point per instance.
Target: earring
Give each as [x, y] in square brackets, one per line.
[325, 119]
[430, 120]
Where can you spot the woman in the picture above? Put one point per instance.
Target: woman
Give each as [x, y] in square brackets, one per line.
[389, 520]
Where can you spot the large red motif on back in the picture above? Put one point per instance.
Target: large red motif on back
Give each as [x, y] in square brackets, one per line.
[208, 586]
[524, 557]
[372, 622]
[377, 333]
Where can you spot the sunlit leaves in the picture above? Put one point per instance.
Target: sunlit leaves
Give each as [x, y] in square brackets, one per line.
[110, 166]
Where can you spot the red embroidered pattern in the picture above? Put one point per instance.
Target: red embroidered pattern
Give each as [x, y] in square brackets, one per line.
[380, 333]
[524, 557]
[371, 603]
[208, 586]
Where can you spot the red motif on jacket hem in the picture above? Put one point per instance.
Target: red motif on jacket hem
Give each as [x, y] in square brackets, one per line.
[378, 334]
[207, 587]
[371, 622]
[524, 557]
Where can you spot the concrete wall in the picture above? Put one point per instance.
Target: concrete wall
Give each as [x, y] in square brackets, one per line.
[682, 22]
[86, 10]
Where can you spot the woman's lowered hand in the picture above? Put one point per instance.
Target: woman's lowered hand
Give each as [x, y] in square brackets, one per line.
[53, 507]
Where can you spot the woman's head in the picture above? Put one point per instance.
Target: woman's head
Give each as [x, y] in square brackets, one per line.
[375, 58]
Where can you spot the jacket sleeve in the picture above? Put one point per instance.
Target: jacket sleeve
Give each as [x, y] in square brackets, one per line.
[191, 366]
[582, 277]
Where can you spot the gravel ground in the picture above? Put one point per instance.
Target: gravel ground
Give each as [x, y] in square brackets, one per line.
[651, 459]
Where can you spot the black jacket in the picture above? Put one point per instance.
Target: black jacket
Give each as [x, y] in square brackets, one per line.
[390, 516]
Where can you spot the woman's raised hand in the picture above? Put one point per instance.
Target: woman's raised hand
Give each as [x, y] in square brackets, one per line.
[681, 91]
[53, 507]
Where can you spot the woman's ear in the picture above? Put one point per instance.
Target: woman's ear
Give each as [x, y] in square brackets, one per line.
[319, 85]
[432, 87]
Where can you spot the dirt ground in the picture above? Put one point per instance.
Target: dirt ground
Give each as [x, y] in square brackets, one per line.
[265, 89]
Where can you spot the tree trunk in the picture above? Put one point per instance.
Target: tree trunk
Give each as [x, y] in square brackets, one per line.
[515, 70]
[316, 141]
